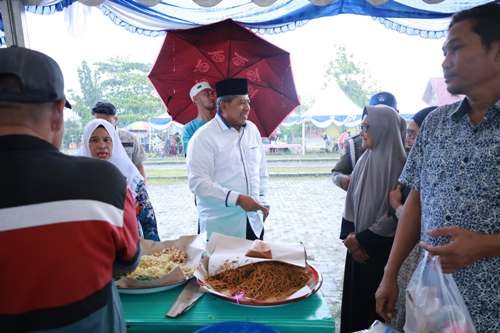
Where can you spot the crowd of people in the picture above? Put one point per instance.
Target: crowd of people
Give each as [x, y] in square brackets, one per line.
[70, 224]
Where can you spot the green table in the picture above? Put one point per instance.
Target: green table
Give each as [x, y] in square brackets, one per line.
[146, 313]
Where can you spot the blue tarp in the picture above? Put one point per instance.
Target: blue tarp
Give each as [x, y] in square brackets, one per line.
[414, 17]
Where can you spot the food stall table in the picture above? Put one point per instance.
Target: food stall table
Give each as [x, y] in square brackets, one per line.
[146, 313]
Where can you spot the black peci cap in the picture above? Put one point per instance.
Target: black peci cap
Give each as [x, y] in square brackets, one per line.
[237, 86]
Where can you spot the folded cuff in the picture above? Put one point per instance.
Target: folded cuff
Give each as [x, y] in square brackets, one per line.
[231, 198]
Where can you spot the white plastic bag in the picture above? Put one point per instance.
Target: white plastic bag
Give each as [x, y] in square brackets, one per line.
[433, 302]
[378, 327]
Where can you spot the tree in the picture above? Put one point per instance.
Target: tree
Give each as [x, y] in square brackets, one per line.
[126, 85]
[72, 132]
[123, 83]
[91, 92]
[352, 77]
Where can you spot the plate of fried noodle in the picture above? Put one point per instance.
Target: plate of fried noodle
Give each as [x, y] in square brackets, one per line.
[265, 283]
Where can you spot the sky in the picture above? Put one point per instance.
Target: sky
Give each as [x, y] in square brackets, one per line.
[399, 63]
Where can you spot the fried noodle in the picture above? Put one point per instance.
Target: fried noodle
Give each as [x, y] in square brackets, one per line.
[261, 281]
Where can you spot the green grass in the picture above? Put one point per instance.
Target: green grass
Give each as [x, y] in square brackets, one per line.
[296, 169]
[273, 157]
[164, 181]
[181, 173]
[167, 173]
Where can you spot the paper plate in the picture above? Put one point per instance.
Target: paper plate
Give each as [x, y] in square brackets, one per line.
[140, 291]
[309, 289]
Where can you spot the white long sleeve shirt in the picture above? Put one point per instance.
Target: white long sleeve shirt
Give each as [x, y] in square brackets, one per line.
[223, 163]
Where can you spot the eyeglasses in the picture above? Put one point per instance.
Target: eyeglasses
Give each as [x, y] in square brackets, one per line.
[364, 128]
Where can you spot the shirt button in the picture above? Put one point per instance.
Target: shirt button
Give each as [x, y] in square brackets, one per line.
[466, 160]
[447, 218]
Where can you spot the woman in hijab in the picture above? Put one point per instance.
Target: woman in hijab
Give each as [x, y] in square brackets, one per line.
[415, 124]
[367, 208]
[100, 140]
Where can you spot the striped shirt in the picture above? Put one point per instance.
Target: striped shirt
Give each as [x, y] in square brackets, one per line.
[66, 225]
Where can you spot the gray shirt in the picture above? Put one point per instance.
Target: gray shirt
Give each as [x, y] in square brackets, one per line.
[132, 146]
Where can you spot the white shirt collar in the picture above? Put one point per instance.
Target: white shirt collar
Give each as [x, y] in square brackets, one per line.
[221, 122]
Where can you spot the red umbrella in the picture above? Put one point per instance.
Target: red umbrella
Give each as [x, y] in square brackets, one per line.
[225, 50]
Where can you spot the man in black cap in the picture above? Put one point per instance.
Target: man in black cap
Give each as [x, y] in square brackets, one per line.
[227, 168]
[66, 223]
[135, 151]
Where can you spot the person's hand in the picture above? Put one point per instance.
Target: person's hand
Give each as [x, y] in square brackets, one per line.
[386, 297]
[395, 197]
[463, 249]
[265, 216]
[344, 182]
[357, 252]
[250, 205]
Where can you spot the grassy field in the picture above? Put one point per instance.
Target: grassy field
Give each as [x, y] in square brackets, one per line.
[181, 173]
[271, 157]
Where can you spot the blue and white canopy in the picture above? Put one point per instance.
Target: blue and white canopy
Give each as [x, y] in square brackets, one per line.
[162, 122]
[331, 106]
[425, 18]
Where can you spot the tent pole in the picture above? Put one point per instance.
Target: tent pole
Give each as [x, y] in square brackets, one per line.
[149, 138]
[303, 137]
[14, 20]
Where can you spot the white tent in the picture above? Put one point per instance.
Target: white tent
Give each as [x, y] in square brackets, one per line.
[330, 106]
[333, 106]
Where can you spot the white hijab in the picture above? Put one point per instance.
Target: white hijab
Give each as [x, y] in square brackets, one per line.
[119, 156]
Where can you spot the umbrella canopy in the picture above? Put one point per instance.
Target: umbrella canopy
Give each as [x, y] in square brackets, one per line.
[219, 51]
[138, 126]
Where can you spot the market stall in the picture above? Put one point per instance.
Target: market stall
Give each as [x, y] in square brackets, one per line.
[235, 280]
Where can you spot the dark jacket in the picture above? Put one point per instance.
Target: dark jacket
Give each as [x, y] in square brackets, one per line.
[353, 151]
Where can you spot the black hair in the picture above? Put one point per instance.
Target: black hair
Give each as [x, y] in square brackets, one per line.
[420, 116]
[104, 108]
[485, 21]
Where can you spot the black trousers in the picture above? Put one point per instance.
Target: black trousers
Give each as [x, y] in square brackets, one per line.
[250, 234]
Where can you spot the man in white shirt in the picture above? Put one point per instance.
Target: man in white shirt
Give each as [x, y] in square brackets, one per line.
[227, 169]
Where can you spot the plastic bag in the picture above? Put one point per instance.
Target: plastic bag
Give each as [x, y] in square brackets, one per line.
[433, 302]
[379, 327]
